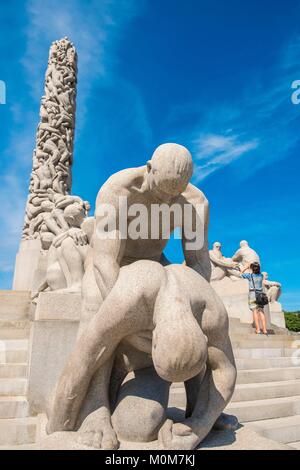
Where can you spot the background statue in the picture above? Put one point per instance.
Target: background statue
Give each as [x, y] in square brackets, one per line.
[67, 230]
[245, 255]
[221, 266]
[273, 289]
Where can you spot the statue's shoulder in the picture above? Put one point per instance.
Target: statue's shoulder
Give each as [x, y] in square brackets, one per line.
[121, 182]
[194, 194]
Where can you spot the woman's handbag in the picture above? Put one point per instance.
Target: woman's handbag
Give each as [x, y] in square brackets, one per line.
[261, 297]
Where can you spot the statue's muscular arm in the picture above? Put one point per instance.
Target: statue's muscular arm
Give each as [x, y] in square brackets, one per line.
[196, 254]
[221, 262]
[237, 257]
[107, 250]
[119, 316]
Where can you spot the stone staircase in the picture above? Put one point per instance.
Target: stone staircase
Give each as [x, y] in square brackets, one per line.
[17, 429]
[267, 394]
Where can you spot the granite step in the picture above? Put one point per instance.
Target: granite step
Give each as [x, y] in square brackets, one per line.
[262, 391]
[255, 376]
[265, 343]
[266, 363]
[284, 429]
[13, 387]
[14, 329]
[247, 392]
[13, 350]
[260, 353]
[18, 431]
[276, 374]
[13, 407]
[20, 447]
[254, 410]
[14, 305]
[13, 344]
[8, 371]
[14, 357]
[295, 445]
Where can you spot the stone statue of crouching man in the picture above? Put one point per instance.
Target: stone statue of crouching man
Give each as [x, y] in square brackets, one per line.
[167, 325]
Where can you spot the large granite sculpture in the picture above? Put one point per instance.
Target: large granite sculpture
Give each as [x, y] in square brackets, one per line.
[140, 314]
[53, 155]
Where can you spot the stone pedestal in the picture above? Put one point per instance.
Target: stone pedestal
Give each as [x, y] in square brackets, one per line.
[276, 314]
[234, 294]
[55, 325]
[26, 264]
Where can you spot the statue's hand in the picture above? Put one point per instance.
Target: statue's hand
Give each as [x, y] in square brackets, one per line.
[178, 436]
[79, 236]
[235, 265]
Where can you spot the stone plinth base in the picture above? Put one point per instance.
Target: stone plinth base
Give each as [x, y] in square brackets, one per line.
[53, 336]
[26, 264]
[234, 295]
[241, 439]
[277, 315]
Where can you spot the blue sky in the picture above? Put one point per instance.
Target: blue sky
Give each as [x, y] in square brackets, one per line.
[212, 75]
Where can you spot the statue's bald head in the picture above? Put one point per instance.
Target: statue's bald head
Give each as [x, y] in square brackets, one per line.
[170, 169]
[74, 214]
[244, 243]
[217, 245]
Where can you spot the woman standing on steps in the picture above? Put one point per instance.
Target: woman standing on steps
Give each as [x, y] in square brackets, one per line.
[257, 298]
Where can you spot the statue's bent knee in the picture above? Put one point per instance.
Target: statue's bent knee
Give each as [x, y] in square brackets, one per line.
[141, 407]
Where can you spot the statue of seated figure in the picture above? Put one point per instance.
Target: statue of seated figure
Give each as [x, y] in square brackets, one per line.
[273, 289]
[221, 266]
[245, 255]
[167, 325]
[71, 232]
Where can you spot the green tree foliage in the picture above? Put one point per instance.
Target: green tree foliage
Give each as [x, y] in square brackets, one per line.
[292, 321]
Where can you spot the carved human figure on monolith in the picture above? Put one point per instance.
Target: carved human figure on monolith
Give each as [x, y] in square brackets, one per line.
[167, 325]
[68, 231]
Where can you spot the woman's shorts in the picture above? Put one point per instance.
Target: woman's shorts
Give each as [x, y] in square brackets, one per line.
[252, 302]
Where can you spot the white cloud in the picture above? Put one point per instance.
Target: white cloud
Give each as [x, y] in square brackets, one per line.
[254, 129]
[213, 152]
